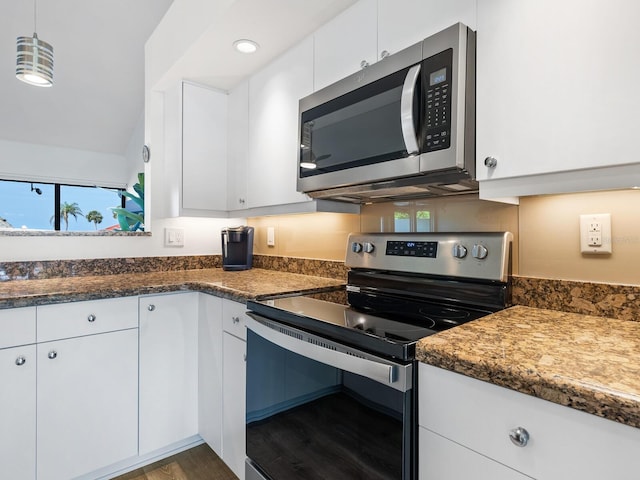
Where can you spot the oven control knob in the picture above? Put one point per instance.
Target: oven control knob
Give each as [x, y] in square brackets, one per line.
[479, 251]
[459, 250]
[356, 247]
[369, 247]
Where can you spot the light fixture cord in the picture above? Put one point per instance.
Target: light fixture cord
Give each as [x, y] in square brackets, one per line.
[35, 29]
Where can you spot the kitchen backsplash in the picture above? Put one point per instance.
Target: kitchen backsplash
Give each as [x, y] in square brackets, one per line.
[545, 228]
[40, 270]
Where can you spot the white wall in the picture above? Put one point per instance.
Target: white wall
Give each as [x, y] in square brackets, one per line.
[202, 237]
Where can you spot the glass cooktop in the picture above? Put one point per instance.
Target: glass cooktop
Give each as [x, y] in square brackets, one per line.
[394, 331]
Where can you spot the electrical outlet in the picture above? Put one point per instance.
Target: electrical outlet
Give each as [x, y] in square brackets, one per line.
[174, 237]
[595, 233]
[271, 236]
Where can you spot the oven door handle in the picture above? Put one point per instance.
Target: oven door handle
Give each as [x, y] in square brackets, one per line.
[396, 376]
[406, 110]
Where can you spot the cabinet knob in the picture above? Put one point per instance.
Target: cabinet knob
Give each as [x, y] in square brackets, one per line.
[384, 54]
[235, 319]
[490, 162]
[91, 318]
[21, 361]
[241, 201]
[364, 64]
[151, 308]
[52, 354]
[519, 437]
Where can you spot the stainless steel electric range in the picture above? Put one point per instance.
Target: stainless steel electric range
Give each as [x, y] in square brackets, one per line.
[331, 388]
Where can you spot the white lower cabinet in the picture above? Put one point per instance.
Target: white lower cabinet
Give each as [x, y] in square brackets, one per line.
[87, 409]
[480, 418]
[234, 348]
[168, 369]
[233, 404]
[17, 412]
[210, 371]
[442, 459]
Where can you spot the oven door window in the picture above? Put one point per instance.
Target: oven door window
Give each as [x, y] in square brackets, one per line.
[307, 420]
[359, 128]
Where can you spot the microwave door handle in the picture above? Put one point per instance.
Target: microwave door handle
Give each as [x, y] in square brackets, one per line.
[406, 110]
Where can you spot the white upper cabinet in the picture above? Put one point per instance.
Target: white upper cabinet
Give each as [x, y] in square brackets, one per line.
[204, 148]
[274, 93]
[372, 29]
[402, 23]
[344, 44]
[195, 170]
[238, 146]
[557, 96]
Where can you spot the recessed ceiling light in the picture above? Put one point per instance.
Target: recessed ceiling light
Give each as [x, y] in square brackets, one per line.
[246, 46]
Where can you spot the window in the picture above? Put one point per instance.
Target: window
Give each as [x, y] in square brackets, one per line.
[48, 206]
[412, 218]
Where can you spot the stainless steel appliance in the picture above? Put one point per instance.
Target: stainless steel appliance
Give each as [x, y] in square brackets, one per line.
[332, 388]
[402, 127]
[237, 248]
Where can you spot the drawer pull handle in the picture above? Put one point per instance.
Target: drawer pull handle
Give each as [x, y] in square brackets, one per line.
[52, 354]
[235, 319]
[519, 437]
[91, 318]
[151, 308]
[21, 361]
[491, 162]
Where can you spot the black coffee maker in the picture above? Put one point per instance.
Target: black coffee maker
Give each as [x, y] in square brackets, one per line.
[237, 248]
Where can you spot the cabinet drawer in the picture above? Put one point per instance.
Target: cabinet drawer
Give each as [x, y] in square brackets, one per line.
[233, 318]
[76, 319]
[443, 459]
[563, 442]
[17, 326]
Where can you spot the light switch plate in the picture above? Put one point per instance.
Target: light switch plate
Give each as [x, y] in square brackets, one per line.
[595, 233]
[174, 237]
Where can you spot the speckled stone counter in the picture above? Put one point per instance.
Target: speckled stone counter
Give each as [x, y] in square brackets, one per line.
[239, 286]
[585, 362]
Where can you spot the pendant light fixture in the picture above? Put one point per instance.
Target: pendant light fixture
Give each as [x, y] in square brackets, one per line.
[34, 63]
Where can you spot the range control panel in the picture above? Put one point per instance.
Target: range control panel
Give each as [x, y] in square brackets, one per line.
[410, 248]
[483, 255]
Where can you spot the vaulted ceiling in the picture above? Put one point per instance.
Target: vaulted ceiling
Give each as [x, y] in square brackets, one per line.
[97, 98]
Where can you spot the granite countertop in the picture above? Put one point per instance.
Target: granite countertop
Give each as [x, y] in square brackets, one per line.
[239, 286]
[585, 362]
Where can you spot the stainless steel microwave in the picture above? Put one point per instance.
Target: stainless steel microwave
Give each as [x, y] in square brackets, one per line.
[403, 127]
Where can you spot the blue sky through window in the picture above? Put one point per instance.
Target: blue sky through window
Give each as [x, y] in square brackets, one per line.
[22, 207]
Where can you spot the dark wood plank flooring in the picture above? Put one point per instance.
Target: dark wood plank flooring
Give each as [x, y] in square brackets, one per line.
[198, 463]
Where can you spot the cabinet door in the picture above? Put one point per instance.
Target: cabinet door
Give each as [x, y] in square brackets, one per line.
[17, 326]
[238, 147]
[168, 369]
[344, 43]
[233, 394]
[87, 406]
[556, 92]
[204, 148]
[443, 459]
[563, 442]
[274, 145]
[210, 371]
[401, 24]
[17, 412]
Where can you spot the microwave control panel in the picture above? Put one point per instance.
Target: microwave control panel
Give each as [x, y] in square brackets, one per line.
[437, 88]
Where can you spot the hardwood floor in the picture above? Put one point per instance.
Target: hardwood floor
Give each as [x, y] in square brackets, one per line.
[198, 463]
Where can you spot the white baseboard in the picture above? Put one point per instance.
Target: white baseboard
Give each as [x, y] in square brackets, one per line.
[133, 463]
